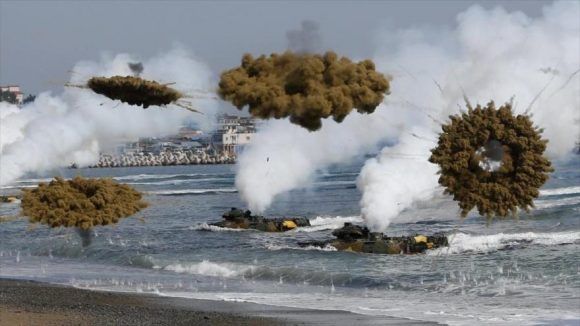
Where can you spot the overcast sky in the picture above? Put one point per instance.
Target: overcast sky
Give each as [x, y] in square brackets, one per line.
[41, 40]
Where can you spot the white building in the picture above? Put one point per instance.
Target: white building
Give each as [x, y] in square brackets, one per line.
[16, 91]
[233, 140]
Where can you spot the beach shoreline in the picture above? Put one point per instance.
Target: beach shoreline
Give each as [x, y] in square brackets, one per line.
[24, 302]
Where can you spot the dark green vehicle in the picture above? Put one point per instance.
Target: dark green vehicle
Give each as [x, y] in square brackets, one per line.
[240, 219]
[359, 239]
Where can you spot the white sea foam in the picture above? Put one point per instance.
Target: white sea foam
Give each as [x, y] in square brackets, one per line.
[35, 180]
[159, 183]
[332, 174]
[208, 268]
[191, 191]
[174, 181]
[274, 247]
[461, 242]
[543, 204]
[560, 191]
[146, 176]
[334, 220]
[320, 223]
[18, 187]
[213, 228]
[163, 176]
[334, 183]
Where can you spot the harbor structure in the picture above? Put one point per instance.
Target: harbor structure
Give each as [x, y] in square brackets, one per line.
[12, 94]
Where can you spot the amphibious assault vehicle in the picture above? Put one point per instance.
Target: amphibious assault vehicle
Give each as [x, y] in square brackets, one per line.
[239, 219]
[9, 198]
[359, 239]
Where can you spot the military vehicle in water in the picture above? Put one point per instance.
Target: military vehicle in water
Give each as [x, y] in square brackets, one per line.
[9, 199]
[239, 219]
[359, 239]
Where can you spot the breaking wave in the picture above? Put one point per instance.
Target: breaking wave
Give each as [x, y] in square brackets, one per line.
[461, 242]
[34, 180]
[213, 228]
[182, 192]
[543, 204]
[279, 274]
[339, 174]
[154, 176]
[560, 191]
[208, 268]
[307, 248]
[321, 223]
[176, 181]
[137, 177]
[335, 183]
[18, 187]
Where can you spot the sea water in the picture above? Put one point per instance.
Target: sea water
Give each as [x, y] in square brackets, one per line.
[524, 271]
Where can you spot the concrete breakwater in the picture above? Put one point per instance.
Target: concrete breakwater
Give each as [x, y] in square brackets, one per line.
[179, 157]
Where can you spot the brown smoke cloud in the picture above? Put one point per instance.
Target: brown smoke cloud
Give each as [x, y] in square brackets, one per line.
[80, 202]
[462, 149]
[304, 87]
[134, 90]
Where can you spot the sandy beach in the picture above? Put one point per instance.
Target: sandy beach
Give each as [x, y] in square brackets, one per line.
[34, 303]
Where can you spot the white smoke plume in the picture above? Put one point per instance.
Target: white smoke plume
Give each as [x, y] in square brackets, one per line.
[57, 130]
[284, 156]
[492, 55]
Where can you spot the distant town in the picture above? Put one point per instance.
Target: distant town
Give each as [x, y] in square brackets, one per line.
[13, 95]
[188, 146]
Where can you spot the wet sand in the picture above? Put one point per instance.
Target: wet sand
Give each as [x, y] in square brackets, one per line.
[35, 303]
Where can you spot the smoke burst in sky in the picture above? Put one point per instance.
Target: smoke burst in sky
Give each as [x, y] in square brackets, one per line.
[490, 55]
[56, 130]
[305, 88]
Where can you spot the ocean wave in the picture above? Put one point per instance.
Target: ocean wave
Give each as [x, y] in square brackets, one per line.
[279, 274]
[159, 183]
[213, 228]
[462, 242]
[18, 187]
[334, 174]
[334, 183]
[181, 192]
[543, 204]
[146, 176]
[560, 191]
[321, 223]
[167, 176]
[175, 181]
[307, 248]
[34, 180]
[208, 268]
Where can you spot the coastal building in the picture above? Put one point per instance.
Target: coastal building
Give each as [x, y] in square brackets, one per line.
[234, 141]
[233, 133]
[189, 133]
[11, 94]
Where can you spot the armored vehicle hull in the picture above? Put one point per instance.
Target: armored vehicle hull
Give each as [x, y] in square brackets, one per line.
[239, 219]
[359, 239]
